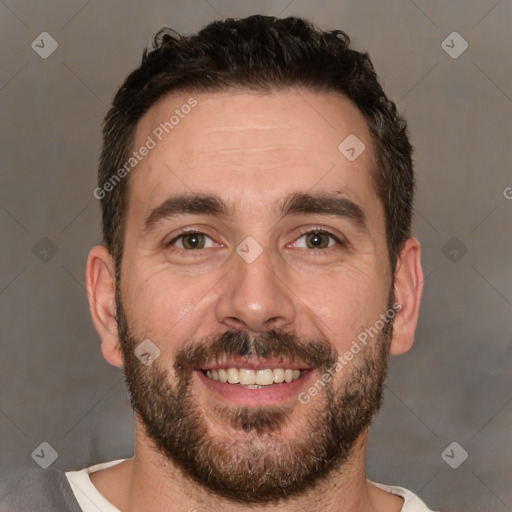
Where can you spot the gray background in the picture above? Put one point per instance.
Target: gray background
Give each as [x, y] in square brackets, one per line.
[454, 385]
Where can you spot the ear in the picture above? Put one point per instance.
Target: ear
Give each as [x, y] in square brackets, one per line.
[101, 287]
[408, 290]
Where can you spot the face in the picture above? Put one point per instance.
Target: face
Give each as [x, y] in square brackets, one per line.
[264, 279]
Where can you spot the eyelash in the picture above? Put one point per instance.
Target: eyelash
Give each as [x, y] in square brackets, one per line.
[185, 232]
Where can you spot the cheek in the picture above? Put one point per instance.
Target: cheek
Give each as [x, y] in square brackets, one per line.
[348, 303]
[170, 307]
[165, 306]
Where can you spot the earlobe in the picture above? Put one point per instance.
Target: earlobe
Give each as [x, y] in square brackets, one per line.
[408, 290]
[100, 283]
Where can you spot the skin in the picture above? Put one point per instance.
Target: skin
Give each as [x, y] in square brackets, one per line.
[284, 142]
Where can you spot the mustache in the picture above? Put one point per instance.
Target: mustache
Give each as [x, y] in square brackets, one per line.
[314, 352]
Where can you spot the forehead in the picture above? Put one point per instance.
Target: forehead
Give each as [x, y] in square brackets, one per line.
[251, 147]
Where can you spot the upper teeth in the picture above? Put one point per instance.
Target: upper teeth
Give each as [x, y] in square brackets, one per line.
[248, 377]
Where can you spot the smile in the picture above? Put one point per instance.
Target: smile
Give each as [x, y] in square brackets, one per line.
[255, 382]
[254, 379]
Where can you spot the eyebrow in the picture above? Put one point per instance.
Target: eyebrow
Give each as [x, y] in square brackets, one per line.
[330, 204]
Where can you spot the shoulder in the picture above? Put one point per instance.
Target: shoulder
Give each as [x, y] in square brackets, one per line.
[36, 490]
[411, 501]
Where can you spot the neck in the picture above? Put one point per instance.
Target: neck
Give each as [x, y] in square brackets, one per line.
[150, 483]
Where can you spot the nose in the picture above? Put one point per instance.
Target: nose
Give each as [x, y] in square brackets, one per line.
[255, 296]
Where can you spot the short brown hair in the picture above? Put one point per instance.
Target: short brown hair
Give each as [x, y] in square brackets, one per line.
[259, 53]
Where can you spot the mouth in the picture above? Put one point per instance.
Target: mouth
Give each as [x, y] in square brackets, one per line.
[255, 382]
[254, 379]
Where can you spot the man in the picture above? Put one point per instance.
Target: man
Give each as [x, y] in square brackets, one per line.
[258, 268]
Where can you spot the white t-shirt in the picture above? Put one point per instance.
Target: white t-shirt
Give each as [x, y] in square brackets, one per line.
[90, 499]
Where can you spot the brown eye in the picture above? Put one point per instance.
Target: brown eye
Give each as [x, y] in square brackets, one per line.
[190, 241]
[193, 241]
[319, 239]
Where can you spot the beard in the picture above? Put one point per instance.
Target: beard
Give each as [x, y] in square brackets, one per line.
[255, 462]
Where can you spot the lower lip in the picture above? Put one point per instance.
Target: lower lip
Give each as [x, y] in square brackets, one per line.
[268, 395]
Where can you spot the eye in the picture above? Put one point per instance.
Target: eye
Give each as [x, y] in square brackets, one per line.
[191, 240]
[318, 239]
[194, 240]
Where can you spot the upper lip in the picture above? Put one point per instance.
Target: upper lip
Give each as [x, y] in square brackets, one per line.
[253, 363]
